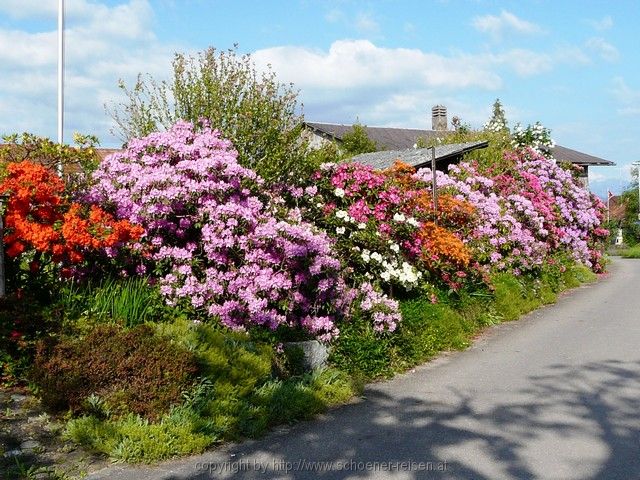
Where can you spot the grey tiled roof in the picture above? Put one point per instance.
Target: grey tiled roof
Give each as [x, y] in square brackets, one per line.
[416, 157]
[387, 138]
[576, 157]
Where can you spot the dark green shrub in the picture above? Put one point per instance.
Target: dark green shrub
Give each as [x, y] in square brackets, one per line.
[23, 321]
[131, 370]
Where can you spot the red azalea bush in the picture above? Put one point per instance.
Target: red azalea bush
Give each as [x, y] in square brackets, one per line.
[40, 221]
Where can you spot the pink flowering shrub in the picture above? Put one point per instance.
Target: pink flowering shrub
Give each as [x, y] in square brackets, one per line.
[385, 227]
[216, 240]
[528, 213]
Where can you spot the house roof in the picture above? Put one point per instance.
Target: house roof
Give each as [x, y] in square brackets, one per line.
[416, 157]
[388, 138]
[617, 208]
[576, 157]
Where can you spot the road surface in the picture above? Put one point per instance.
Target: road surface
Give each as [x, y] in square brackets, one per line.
[555, 395]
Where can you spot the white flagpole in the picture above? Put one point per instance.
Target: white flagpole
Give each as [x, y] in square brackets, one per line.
[60, 76]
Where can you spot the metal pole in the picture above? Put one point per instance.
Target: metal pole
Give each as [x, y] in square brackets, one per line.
[434, 184]
[3, 290]
[60, 77]
[637, 165]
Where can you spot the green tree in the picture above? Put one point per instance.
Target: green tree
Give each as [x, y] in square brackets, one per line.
[630, 226]
[498, 120]
[356, 141]
[253, 110]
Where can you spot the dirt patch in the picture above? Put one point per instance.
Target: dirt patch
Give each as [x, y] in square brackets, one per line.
[31, 443]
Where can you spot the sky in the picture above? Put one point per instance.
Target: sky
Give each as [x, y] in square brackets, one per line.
[572, 65]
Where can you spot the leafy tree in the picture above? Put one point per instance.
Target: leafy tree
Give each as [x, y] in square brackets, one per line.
[498, 120]
[459, 126]
[357, 141]
[253, 110]
[630, 226]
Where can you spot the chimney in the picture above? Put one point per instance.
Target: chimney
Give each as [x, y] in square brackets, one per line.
[439, 117]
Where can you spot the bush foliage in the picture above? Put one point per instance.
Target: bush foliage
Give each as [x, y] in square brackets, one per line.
[132, 371]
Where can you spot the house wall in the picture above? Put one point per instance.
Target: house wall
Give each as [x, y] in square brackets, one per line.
[315, 140]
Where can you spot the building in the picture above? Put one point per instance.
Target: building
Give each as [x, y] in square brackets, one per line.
[400, 143]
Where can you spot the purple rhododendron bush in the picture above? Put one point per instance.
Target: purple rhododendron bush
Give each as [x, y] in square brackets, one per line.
[217, 240]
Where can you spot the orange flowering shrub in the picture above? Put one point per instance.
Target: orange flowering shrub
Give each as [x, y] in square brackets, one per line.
[440, 244]
[39, 219]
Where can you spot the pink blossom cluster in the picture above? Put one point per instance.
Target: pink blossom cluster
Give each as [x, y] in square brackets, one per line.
[384, 226]
[527, 214]
[213, 237]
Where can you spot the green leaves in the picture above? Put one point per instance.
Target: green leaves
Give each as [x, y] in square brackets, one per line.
[253, 110]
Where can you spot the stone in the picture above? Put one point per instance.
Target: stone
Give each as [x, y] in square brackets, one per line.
[315, 354]
[16, 397]
[30, 445]
[12, 453]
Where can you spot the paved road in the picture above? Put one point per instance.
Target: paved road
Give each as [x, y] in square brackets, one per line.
[555, 395]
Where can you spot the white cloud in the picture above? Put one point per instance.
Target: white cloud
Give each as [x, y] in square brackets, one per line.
[525, 62]
[628, 98]
[29, 8]
[103, 44]
[360, 63]
[396, 86]
[334, 15]
[571, 55]
[366, 24]
[605, 50]
[506, 22]
[605, 23]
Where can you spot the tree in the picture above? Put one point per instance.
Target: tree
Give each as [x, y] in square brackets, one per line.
[498, 120]
[357, 141]
[253, 110]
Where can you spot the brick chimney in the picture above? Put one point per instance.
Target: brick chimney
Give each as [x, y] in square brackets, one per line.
[439, 117]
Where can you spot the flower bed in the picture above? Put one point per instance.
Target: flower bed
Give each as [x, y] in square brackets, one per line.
[227, 268]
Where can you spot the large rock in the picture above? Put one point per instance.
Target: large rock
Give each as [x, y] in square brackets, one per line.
[314, 354]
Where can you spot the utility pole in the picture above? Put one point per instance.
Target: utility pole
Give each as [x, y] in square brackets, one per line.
[3, 291]
[435, 185]
[637, 165]
[60, 78]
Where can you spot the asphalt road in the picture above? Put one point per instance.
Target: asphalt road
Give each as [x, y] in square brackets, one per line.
[555, 395]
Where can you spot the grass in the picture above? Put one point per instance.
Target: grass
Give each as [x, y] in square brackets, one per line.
[127, 302]
[428, 329]
[237, 397]
[242, 392]
[631, 252]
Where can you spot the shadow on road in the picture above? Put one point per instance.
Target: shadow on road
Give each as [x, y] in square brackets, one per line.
[590, 413]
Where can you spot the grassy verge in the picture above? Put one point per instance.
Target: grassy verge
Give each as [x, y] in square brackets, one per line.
[244, 387]
[631, 252]
[428, 329]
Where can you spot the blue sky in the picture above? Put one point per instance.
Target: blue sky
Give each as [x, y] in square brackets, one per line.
[573, 65]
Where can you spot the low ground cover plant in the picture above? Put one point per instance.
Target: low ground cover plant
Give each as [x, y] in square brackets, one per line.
[207, 270]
